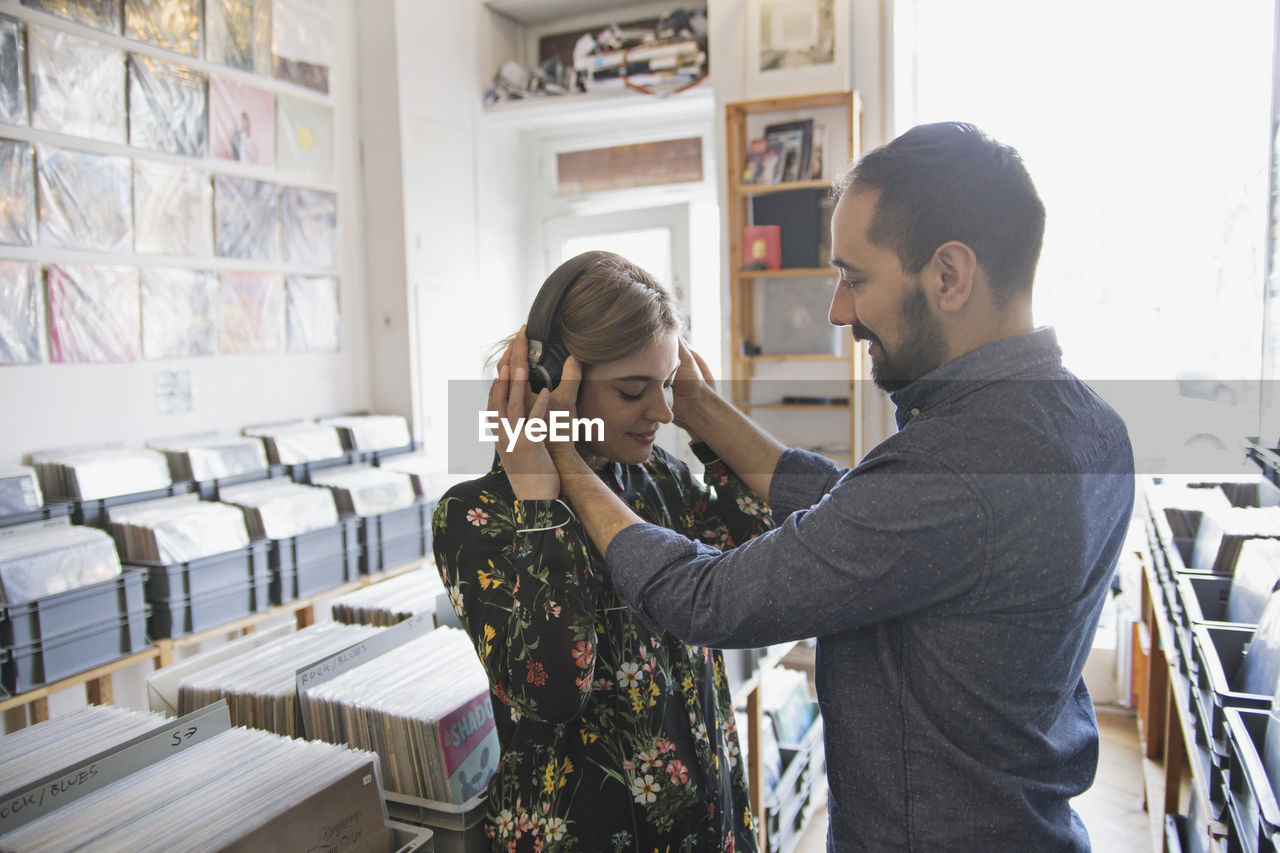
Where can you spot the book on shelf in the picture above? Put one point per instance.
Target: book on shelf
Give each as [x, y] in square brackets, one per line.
[762, 247]
[794, 140]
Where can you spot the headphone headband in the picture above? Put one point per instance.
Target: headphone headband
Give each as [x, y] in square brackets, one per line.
[547, 353]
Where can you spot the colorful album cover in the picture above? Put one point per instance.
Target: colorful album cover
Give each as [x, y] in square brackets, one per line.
[77, 85]
[309, 225]
[13, 71]
[301, 46]
[171, 24]
[241, 122]
[172, 211]
[246, 216]
[314, 314]
[17, 193]
[166, 107]
[304, 138]
[19, 313]
[85, 200]
[250, 313]
[94, 313]
[179, 313]
[102, 14]
[228, 32]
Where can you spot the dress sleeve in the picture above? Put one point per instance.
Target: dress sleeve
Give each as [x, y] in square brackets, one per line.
[517, 573]
[724, 510]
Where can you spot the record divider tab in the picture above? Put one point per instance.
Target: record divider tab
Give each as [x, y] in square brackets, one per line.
[69, 784]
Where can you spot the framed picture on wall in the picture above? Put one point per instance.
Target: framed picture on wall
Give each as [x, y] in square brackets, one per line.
[797, 46]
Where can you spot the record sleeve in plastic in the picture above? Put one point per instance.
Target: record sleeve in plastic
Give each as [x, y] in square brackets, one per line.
[315, 319]
[173, 210]
[17, 193]
[85, 200]
[246, 218]
[171, 24]
[77, 85]
[166, 107]
[20, 313]
[94, 313]
[251, 311]
[179, 313]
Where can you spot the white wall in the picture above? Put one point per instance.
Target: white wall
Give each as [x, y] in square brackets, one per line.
[57, 405]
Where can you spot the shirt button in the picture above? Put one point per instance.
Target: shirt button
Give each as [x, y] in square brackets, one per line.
[915, 412]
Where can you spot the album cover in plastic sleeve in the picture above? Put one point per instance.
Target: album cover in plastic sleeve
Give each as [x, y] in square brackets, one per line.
[94, 313]
[103, 14]
[171, 24]
[172, 211]
[301, 45]
[77, 85]
[85, 200]
[13, 70]
[246, 216]
[17, 193]
[179, 313]
[19, 313]
[250, 313]
[314, 314]
[304, 138]
[228, 32]
[309, 224]
[166, 107]
[242, 122]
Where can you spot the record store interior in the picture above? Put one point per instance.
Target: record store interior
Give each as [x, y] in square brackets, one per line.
[278, 572]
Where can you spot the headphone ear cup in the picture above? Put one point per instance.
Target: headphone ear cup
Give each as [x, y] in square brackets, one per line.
[545, 372]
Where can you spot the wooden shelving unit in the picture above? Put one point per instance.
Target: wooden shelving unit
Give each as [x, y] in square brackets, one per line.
[843, 144]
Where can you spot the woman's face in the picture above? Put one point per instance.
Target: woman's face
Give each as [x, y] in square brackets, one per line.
[632, 396]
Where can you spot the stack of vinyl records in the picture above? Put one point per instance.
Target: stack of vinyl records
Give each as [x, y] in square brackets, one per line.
[28, 755]
[96, 473]
[278, 509]
[1256, 579]
[312, 550]
[429, 482]
[259, 685]
[177, 529]
[207, 458]
[391, 601]
[424, 707]
[1183, 506]
[367, 433]
[298, 443]
[1222, 532]
[67, 605]
[53, 560]
[364, 491]
[19, 491]
[239, 789]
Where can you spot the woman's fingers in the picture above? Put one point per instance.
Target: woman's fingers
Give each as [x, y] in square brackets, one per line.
[498, 392]
[703, 369]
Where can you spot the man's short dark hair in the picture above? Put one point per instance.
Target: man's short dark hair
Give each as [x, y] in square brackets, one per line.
[950, 181]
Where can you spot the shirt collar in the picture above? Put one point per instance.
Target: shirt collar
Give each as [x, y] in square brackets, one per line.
[1001, 359]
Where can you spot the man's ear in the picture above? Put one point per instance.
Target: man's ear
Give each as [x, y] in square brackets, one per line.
[955, 267]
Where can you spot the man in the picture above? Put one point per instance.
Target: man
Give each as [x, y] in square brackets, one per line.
[954, 578]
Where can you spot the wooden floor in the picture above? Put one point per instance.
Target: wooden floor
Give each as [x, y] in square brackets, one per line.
[1112, 810]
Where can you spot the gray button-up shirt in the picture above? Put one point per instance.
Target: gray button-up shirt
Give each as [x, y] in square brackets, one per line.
[954, 580]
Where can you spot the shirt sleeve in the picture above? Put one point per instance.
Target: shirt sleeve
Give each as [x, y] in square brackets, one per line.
[800, 479]
[898, 535]
[517, 573]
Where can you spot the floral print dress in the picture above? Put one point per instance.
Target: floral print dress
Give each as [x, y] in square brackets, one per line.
[614, 738]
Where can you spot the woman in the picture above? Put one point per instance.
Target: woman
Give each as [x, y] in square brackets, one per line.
[613, 738]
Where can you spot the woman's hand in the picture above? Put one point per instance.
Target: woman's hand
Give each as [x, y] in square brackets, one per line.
[528, 464]
[693, 378]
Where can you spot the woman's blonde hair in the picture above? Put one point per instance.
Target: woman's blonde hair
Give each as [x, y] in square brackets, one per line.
[614, 309]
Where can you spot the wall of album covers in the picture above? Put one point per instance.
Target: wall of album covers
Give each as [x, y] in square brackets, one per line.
[168, 180]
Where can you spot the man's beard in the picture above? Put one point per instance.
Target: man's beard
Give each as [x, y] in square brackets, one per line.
[924, 346]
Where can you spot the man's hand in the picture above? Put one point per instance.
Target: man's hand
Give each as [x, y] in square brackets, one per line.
[693, 380]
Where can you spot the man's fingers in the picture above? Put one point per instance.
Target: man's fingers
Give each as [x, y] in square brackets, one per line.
[565, 396]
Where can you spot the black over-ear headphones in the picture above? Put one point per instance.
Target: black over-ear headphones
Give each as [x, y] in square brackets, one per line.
[547, 353]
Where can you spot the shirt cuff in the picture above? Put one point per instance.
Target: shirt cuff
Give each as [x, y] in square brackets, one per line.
[798, 482]
[540, 516]
[703, 451]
